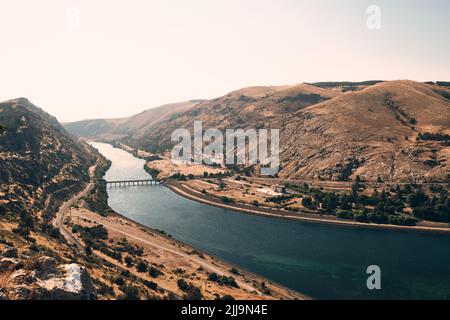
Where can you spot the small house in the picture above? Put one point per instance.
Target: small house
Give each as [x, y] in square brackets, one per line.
[279, 188]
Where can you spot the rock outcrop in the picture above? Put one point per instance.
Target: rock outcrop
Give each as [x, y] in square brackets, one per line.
[42, 278]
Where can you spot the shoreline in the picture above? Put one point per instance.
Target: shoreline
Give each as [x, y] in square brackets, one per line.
[220, 261]
[197, 196]
[224, 266]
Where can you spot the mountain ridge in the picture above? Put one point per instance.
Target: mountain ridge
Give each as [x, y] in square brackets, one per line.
[332, 133]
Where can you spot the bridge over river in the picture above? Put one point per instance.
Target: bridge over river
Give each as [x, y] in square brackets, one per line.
[136, 182]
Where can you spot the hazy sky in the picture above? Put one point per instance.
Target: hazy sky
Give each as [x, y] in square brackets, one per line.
[128, 55]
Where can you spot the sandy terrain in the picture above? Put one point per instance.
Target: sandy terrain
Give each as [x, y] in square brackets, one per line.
[168, 168]
[163, 251]
[242, 191]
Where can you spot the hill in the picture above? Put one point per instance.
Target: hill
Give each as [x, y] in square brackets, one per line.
[59, 243]
[113, 129]
[40, 163]
[329, 131]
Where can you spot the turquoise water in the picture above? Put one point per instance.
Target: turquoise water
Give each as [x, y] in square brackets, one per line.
[323, 261]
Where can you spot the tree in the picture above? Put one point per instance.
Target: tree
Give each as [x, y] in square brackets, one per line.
[141, 266]
[183, 285]
[417, 199]
[120, 281]
[213, 277]
[154, 272]
[307, 202]
[225, 297]
[355, 189]
[88, 250]
[330, 202]
[129, 293]
[129, 261]
[193, 293]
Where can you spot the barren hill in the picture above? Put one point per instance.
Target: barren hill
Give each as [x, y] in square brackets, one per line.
[396, 130]
[40, 163]
[113, 129]
[373, 132]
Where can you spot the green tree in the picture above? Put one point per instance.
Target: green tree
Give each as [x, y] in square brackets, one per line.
[417, 199]
[129, 293]
[141, 266]
[330, 202]
[307, 202]
[183, 285]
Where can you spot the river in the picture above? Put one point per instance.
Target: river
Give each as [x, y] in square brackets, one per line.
[322, 261]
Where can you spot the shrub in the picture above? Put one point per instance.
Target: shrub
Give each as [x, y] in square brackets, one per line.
[120, 281]
[225, 297]
[141, 266]
[183, 285]
[129, 261]
[234, 271]
[307, 202]
[129, 293]
[402, 220]
[227, 200]
[151, 285]
[154, 272]
[344, 214]
[213, 277]
[223, 280]
[193, 293]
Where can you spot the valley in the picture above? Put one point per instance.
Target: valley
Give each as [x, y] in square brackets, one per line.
[365, 160]
[59, 239]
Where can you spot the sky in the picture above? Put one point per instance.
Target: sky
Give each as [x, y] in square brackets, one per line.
[80, 59]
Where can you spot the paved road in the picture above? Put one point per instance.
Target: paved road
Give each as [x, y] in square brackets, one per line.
[58, 221]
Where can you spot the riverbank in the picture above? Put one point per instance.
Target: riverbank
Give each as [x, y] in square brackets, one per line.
[152, 258]
[176, 260]
[189, 193]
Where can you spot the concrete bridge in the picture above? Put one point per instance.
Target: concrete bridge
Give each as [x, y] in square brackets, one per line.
[137, 182]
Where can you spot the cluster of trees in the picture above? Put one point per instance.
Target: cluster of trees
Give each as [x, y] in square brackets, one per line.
[434, 136]
[26, 224]
[223, 280]
[93, 239]
[430, 207]
[218, 175]
[386, 206]
[97, 199]
[444, 138]
[152, 171]
[191, 292]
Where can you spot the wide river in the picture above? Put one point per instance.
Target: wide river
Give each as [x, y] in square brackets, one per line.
[322, 261]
